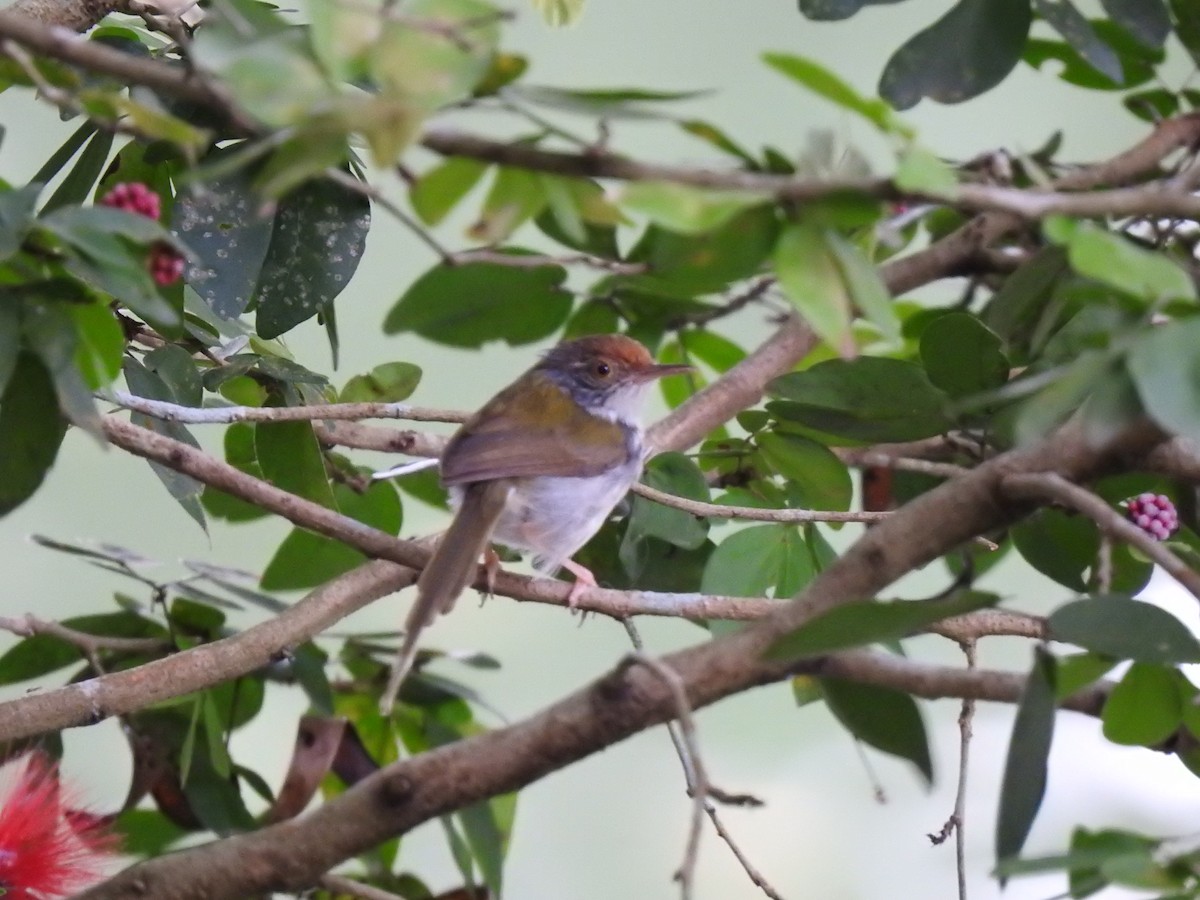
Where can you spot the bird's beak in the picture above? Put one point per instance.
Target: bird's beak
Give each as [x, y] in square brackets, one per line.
[661, 370]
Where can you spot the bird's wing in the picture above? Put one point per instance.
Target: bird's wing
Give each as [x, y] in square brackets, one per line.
[544, 432]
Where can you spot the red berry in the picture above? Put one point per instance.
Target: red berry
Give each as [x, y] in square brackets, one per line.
[1153, 513]
[165, 264]
[134, 197]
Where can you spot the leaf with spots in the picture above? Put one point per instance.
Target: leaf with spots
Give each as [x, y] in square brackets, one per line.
[320, 231]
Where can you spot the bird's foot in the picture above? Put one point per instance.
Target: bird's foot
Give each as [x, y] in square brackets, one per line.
[491, 567]
[584, 579]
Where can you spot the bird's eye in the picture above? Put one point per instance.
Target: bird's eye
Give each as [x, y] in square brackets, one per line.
[602, 369]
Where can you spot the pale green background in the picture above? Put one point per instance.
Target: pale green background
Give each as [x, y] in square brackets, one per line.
[614, 825]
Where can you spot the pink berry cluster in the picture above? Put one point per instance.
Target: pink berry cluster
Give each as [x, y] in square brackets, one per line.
[1153, 513]
[164, 262]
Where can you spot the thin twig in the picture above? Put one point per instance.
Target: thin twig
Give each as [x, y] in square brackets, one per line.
[1052, 486]
[227, 415]
[957, 821]
[29, 625]
[537, 261]
[340, 884]
[693, 767]
[681, 750]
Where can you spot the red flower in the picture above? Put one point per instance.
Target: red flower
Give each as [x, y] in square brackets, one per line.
[46, 849]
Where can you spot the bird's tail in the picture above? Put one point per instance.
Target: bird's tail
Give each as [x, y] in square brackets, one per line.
[451, 568]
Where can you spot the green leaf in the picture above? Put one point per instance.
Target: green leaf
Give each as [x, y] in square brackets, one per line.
[869, 399]
[557, 13]
[1169, 393]
[1187, 26]
[430, 69]
[675, 474]
[828, 280]
[1015, 310]
[1124, 628]
[1065, 18]
[1077, 670]
[305, 559]
[386, 383]
[469, 305]
[31, 431]
[146, 832]
[1115, 261]
[79, 182]
[821, 479]
[319, 235]
[682, 208]
[690, 264]
[36, 656]
[754, 560]
[227, 229]
[871, 622]
[185, 489]
[440, 189]
[1145, 706]
[239, 453]
[921, 172]
[966, 52]
[63, 154]
[713, 135]
[884, 718]
[100, 345]
[962, 356]
[291, 459]
[1146, 20]
[1059, 545]
[826, 84]
[515, 197]
[612, 103]
[1024, 782]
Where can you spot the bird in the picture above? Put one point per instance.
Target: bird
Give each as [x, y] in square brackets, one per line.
[538, 468]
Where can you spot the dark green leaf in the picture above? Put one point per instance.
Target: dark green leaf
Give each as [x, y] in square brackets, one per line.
[820, 478]
[467, 306]
[146, 832]
[884, 718]
[833, 10]
[1145, 706]
[962, 356]
[79, 182]
[1124, 628]
[216, 800]
[1146, 20]
[319, 234]
[175, 366]
[305, 559]
[185, 489]
[36, 656]
[50, 330]
[871, 622]
[1059, 545]
[63, 154]
[239, 453]
[1187, 26]
[10, 340]
[675, 474]
[612, 103]
[964, 53]
[1169, 393]
[713, 135]
[1014, 311]
[16, 215]
[754, 560]
[308, 665]
[1077, 31]
[1024, 782]
[224, 224]
[31, 431]
[867, 399]
[291, 460]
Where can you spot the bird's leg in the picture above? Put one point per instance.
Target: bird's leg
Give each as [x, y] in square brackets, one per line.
[491, 566]
[584, 579]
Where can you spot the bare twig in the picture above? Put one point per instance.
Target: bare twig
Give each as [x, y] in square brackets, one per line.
[227, 415]
[340, 884]
[682, 751]
[693, 766]
[30, 625]
[753, 513]
[957, 821]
